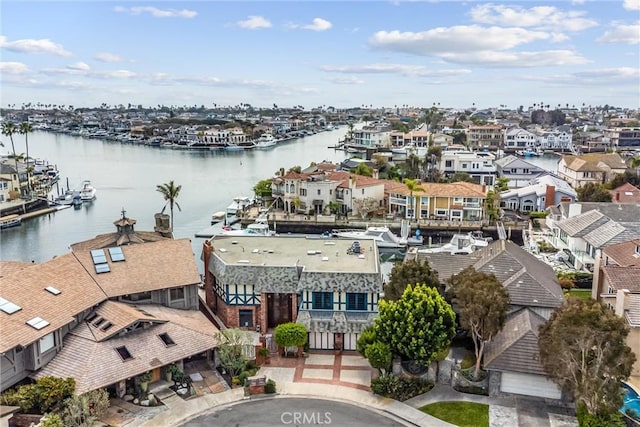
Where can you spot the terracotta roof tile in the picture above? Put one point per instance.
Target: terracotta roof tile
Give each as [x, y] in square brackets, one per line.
[623, 278]
[624, 254]
[626, 193]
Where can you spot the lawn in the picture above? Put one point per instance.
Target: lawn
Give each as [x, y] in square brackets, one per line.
[463, 414]
[581, 293]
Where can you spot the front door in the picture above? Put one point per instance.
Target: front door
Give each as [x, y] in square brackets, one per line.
[278, 309]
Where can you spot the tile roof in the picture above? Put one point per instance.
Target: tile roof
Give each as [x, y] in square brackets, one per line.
[632, 314]
[594, 162]
[97, 364]
[120, 316]
[624, 253]
[148, 267]
[515, 348]
[26, 288]
[444, 263]
[580, 225]
[623, 277]
[455, 189]
[608, 233]
[626, 193]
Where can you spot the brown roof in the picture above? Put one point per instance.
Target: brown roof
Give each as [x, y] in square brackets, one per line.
[26, 288]
[148, 267]
[623, 253]
[9, 267]
[623, 278]
[626, 193]
[366, 181]
[117, 239]
[594, 162]
[119, 316]
[295, 175]
[455, 189]
[97, 364]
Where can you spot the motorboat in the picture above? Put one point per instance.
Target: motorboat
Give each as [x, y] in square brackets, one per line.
[218, 217]
[530, 152]
[460, 243]
[239, 204]
[382, 235]
[65, 198]
[77, 200]
[265, 141]
[259, 228]
[87, 192]
[10, 221]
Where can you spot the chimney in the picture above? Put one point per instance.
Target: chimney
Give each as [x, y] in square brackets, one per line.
[550, 196]
[622, 302]
[162, 225]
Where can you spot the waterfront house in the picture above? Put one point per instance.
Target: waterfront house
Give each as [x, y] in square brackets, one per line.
[556, 139]
[479, 165]
[623, 138]
[597, 168]
[110, 310]
[258, 283]
[485, 136]
[542, 193]
[518, 139]
[616, 283]
[518, 171]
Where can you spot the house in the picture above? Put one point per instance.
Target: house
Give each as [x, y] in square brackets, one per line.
[258, 283]
[479, 165]
[626, 193]
[518, 139]
[557, 139]
[596, 168]
[543, 192]
[485, 136]
[518, 171]
[623, 138]
[114, 308]
[616, 283]
[10, 181]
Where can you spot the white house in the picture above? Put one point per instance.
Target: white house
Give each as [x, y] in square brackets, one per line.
[518, 171]
[479, 165]
[595, 168]
[517, 139]
[543, 192]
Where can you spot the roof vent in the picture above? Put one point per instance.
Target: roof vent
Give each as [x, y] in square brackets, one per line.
[52, 290]
[255, 251]
[325, 258]
[270, 251]
[223, 250]
[234, 242]
[243, 261]
[329, 243]
[361, 256]
[8, 307]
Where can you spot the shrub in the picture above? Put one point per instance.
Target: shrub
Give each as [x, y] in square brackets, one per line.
[379, 355]
[585, 419]
[366, 338]
[263, 351]
[270, 387]
[399, 388]
[242, 378]
[291, 335]
[468, 361]
[536, 214]
[472, 389]
[47, 394]
[51, 420]
[85, 410]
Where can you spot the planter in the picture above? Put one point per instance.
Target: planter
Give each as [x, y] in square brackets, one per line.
[168, 376]
[144, 386]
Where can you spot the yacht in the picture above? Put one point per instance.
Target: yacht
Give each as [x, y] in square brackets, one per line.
[259, 228]
[87, 192]
[382, 235]
[10, 221]
[265, 141]
[461, 243]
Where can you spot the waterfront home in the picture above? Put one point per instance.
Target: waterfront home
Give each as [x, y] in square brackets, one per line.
[371, 136]
[616, 283]
[623, 138]
[556, 139]
[479, 165]
[518, 171]
[485, 136]
[257, 283]
[103, 315]
[542, 193]
[9, 186]
[597, 168]
[518, 139]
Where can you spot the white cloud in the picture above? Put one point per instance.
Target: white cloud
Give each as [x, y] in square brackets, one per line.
[80, 66]
[631, 4]
[318, 24]
[601, 76]
[117, 74]
[461, 38]
[157, 13]
[620, 33]
[254, 22]
[13, 68]
[107, 57]
[351, 80]
[516, 59]
[536, 17]
[34, 46]
[407, 70]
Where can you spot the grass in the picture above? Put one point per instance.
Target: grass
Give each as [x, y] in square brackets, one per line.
[463, 414]
[580, 293]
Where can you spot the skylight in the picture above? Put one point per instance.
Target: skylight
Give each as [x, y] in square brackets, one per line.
[98, 256]
[116, 254]
[52, 290]
[102, 268]
[166, 339]
[124, 353]
[106, 326]
[8, 307]
[37, 323]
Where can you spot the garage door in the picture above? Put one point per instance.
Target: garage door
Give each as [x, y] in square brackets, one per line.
[349, 341]
[529, 385]
[321, 340]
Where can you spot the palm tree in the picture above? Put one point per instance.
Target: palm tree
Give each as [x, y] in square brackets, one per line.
[8, 129]
[412, 185]
[170, 192]
[25, 128]
[635, 164]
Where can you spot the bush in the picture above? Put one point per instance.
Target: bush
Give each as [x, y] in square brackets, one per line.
[399, 388]
[270, 387]
[536, 214]
[51, 420]
[585, 419]
[469, 361]
[47, 394]
[379, 356]
[291, 335]
[366, 338]
[472, 389]
[242, 378]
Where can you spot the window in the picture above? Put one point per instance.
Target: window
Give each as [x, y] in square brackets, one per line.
[638, 249]
[458, 200]
[139, 297]
[441, 212]
[166, 339]
[525, 170]
[245, 318]
[176, 294]
[47, 343]
[124, 353]
[356, 301]
[319, 192]
[303, 191]
[448, 163]
[322, 300]
[464, 166]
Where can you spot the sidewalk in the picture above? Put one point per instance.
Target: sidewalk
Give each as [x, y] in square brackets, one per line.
[186, 410]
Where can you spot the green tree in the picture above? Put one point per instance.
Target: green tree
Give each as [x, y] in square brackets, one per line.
[9, 129]
[263, 188]
[291, 335]
[170, 192]
[491, 203]
[623, 178]
[583, 349]
[366, 338]
[482, 302]
[461, 177]
[417, 326]
[460, 138]
[295, 169]
[592, 192]
[502, 184]
[232, 358]
[379, 356]
[25, 129]
[363, 170]
[406, 273]
[85, 410]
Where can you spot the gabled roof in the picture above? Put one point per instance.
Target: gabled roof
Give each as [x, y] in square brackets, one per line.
[623, 277]
[455, 189]
[626, 193]
[597, 229]
[624, 253]
[96, 364]
[119, 316]
[594, 162]
[515, 348]
[582, 224]
[632, 314]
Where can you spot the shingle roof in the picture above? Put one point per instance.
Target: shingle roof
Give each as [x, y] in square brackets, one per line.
[632, 314]
[97, 364]
[623, 277]
[580, 225]
[119, 316]
[594, 161]
[624, 253]
[455, 189]
[626, 193]
[117, 239]
[9, 267]
[515, 348]
[444, 263]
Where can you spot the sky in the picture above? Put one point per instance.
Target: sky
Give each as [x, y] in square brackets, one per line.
[331, 53]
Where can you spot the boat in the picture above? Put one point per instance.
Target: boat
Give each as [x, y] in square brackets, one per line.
[530, 152]
[461, 243]
[77, 200]
[239, 204]
[382, 235]
[259, 228]
[10, 221]
[65, 198]
[265, 141]
[87, 192]
[233, 147]
[218, 217]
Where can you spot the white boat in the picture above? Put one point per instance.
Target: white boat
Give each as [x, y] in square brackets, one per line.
[461, 244]
[65, 198]
[217, 217]
[233, 147]
[87, 192]
[259, 228]
[382, 235]
[265, 141]
[239, 204]
[10, 221]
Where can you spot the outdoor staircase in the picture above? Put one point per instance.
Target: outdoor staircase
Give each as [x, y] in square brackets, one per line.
[162, 392]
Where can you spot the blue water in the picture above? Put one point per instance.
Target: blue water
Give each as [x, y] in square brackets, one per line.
[631, 400]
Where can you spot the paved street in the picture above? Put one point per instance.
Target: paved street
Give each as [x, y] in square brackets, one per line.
[292, 412]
